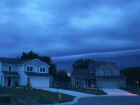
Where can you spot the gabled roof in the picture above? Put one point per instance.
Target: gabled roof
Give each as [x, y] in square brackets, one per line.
[10, 60]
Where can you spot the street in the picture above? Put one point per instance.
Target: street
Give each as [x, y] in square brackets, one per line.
[110, 100]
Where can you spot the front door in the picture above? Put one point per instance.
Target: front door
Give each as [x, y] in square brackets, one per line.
[91, 83]
[9, 81]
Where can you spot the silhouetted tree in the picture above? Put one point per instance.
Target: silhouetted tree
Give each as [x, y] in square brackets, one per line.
[46, 59]
[61, 76]
[82, 63]
[29, 55]
[132, 75]
[53, 69]
[32, 55]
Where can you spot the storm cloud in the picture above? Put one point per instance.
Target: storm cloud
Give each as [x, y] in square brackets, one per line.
[61, 28]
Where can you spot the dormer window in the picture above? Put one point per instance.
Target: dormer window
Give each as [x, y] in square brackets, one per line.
[29, 69]
[42, 69]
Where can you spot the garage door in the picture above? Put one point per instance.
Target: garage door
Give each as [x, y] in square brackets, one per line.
[39, 82]
[108, 84]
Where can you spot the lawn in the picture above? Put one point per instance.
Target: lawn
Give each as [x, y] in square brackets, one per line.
[23, 96]
[89, 91]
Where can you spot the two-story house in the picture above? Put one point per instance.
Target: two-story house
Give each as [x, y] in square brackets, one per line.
[16, 72]
[98, 74]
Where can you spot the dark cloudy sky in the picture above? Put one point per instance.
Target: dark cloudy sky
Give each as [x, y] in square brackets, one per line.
[68, 27]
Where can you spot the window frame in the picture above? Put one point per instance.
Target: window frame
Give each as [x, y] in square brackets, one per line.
[9, 68]
[42, 69]
[29, 68]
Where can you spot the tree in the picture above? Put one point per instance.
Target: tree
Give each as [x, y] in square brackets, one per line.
[61, 76]
[29, 55]
[46, 59]
[32, 55]
[132, 75]
[53, 69]
[82, 63]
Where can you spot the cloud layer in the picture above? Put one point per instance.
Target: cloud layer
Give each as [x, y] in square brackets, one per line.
[59, 28]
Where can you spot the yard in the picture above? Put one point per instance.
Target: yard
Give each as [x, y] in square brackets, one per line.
[23, 96]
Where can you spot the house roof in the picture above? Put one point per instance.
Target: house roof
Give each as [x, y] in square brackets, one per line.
[10, 60]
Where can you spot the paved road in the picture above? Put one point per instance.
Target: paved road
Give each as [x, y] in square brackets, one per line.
[109, 100]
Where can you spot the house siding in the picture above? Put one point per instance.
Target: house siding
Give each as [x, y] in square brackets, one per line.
[100, 75]
[19, 70]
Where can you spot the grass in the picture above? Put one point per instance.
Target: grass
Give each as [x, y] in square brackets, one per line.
[134, 90]
[25, 96]
[89, 91]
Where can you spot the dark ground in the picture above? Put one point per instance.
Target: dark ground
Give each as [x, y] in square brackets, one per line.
[23, 96]
[110, 100]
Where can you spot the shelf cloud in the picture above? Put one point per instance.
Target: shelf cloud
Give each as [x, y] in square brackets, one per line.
[63, 28]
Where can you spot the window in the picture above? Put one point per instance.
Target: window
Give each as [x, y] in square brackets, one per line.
[42, 69]
[10, 68]
[29, 68]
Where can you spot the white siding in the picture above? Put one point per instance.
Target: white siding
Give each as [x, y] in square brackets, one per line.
[37, 64]
[5, 67]
[37, 81]
[23, 76]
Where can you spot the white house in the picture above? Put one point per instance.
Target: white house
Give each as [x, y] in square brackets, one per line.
[16, 72]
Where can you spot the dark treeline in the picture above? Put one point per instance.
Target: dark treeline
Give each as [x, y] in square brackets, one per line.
[132, 76]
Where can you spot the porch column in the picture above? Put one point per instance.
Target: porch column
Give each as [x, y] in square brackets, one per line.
[4, 81]
[86, 83]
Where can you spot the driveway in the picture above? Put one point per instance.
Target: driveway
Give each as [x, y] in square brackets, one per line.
[73, 93]
[109, 100]
[118, 92]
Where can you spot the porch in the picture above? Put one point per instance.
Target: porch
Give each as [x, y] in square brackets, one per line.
[88, 83]
[10, 79]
